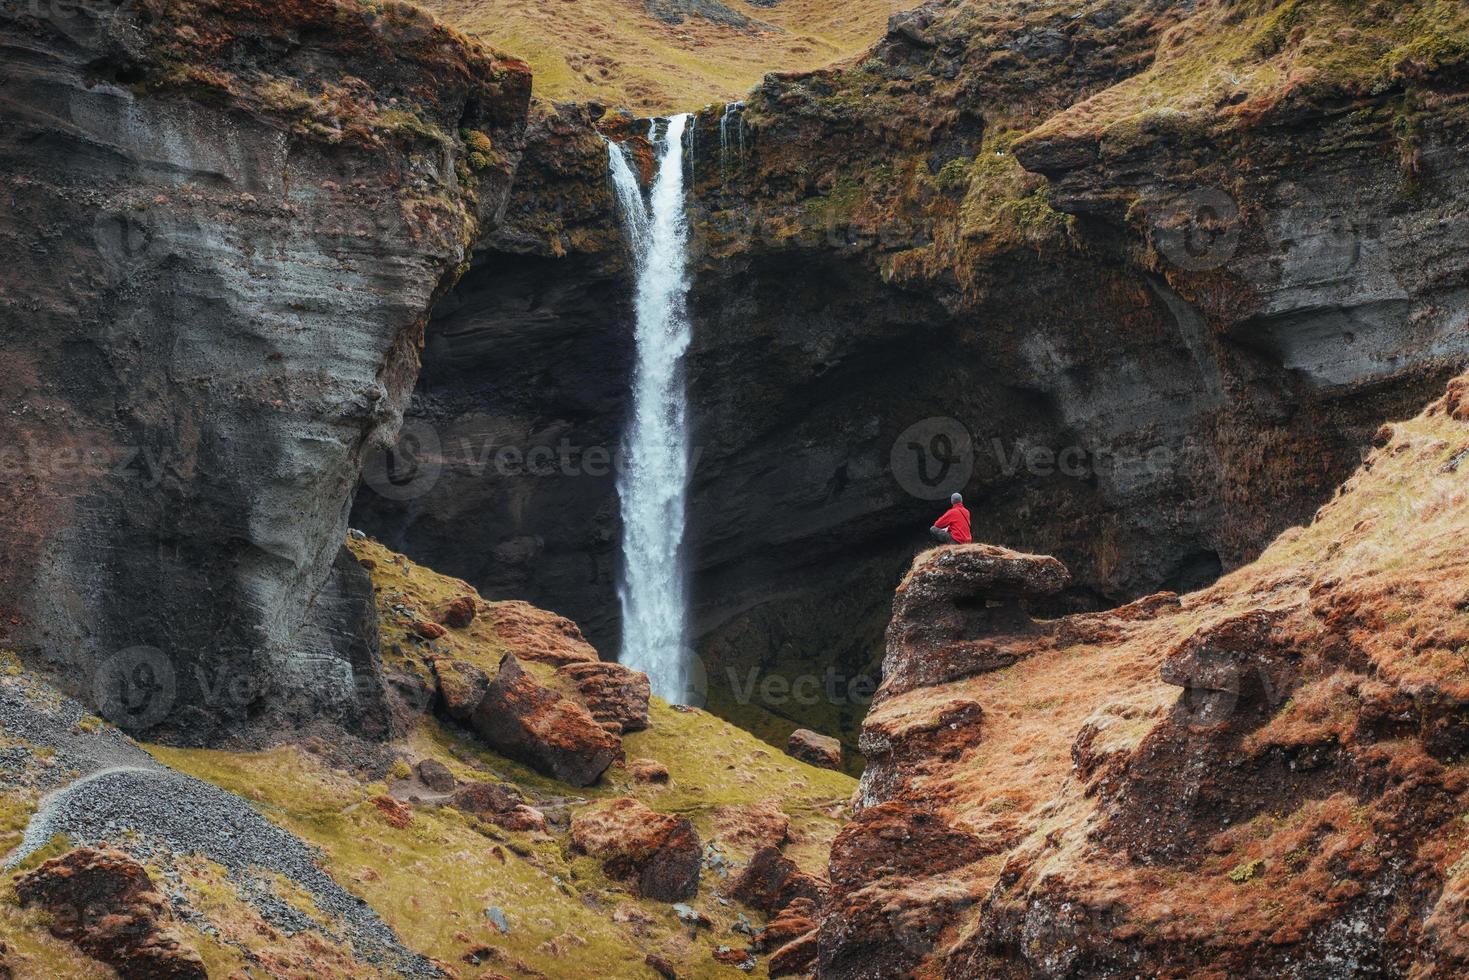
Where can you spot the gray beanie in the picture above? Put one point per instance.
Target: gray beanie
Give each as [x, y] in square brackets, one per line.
[957, 498]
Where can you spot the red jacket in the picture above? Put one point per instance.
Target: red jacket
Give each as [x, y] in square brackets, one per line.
[956, 522]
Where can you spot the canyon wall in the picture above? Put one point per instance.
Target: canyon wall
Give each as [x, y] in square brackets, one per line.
[1146, 322]
[225, 224]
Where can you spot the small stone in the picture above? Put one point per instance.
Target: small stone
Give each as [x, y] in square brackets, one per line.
[459, 613]
[497, 918]
[428, 630]
[435, 775]
[648, 771]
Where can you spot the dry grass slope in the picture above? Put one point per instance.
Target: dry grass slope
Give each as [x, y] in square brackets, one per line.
[616, 52]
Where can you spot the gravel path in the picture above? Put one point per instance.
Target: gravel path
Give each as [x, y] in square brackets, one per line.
[127, 799]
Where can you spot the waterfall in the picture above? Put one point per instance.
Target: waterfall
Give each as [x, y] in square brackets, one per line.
[653, 481]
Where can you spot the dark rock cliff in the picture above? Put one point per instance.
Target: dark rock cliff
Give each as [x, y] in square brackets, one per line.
[225, 224]
[992, 255]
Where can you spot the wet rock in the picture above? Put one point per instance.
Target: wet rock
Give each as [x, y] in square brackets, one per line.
[459, 613]
[615, 695]
[815, 749]
[543, 729]
[772, 881]
[659, 852]
[435, 775]
[462, 686]
[105, 903]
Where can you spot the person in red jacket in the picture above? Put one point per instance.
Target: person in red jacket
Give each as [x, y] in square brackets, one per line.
[953, 527]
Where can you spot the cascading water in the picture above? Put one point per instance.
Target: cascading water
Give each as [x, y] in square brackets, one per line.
[653, 483]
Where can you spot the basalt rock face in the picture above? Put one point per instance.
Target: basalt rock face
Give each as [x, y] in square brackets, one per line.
[226, 224]
[520, 404]
[1020, 250]
[1260, 779]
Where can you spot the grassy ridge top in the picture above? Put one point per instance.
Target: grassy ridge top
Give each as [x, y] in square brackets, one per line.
[618, 52]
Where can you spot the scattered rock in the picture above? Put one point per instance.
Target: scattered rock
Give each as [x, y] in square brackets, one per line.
[772, 881]
[660, 852]
[616, 696]
[428, 629]
[497, 918]
[435, 775]
[739, 958]
[487, 798]
[462, 687]
[459, 613]
[526, 819]
[105, 903]
[661, 966]
[815, 749]
[691, 916]
[393, 812]
[648, 771]
[543, 729]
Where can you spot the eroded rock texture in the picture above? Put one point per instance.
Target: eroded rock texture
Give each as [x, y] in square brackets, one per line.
[1145, 312]
[1260, 779]
[225, 225]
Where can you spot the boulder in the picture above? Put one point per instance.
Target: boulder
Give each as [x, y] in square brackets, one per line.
[772, 881]
[459, 613]
[951, 600]
[487, 798]
[752, 826]
[814, 749]
[526, 819]
[659, 852]
[428, 629]
[105, 903]
[794, 921]
[462, 687]
[535, 634]
[543, 729]
[617, 696]
[435, 775]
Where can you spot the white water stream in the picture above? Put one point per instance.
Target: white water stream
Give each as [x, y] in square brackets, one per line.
[654, 479]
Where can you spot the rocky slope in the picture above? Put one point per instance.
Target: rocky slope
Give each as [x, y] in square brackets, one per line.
[226, 223]
[1261, 779]
[1141, 277]
[427, 854]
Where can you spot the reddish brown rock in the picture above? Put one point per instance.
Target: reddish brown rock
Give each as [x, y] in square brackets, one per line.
[661, 966]
[535, 634]
[794, 921]
[796, 957]
[394, 812]
[435, 775]
[462, 687]
[740, 959]
[954, 596]
[660, 852]
[752, 826]
[615, 695]
[459, 613]
[487, 798]
[648, 771]
[543, 729]
[814, 749]
[105, 903]
[772, 881]
[428, 629]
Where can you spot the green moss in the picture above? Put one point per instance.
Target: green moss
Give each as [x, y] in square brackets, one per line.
[1247, 871]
